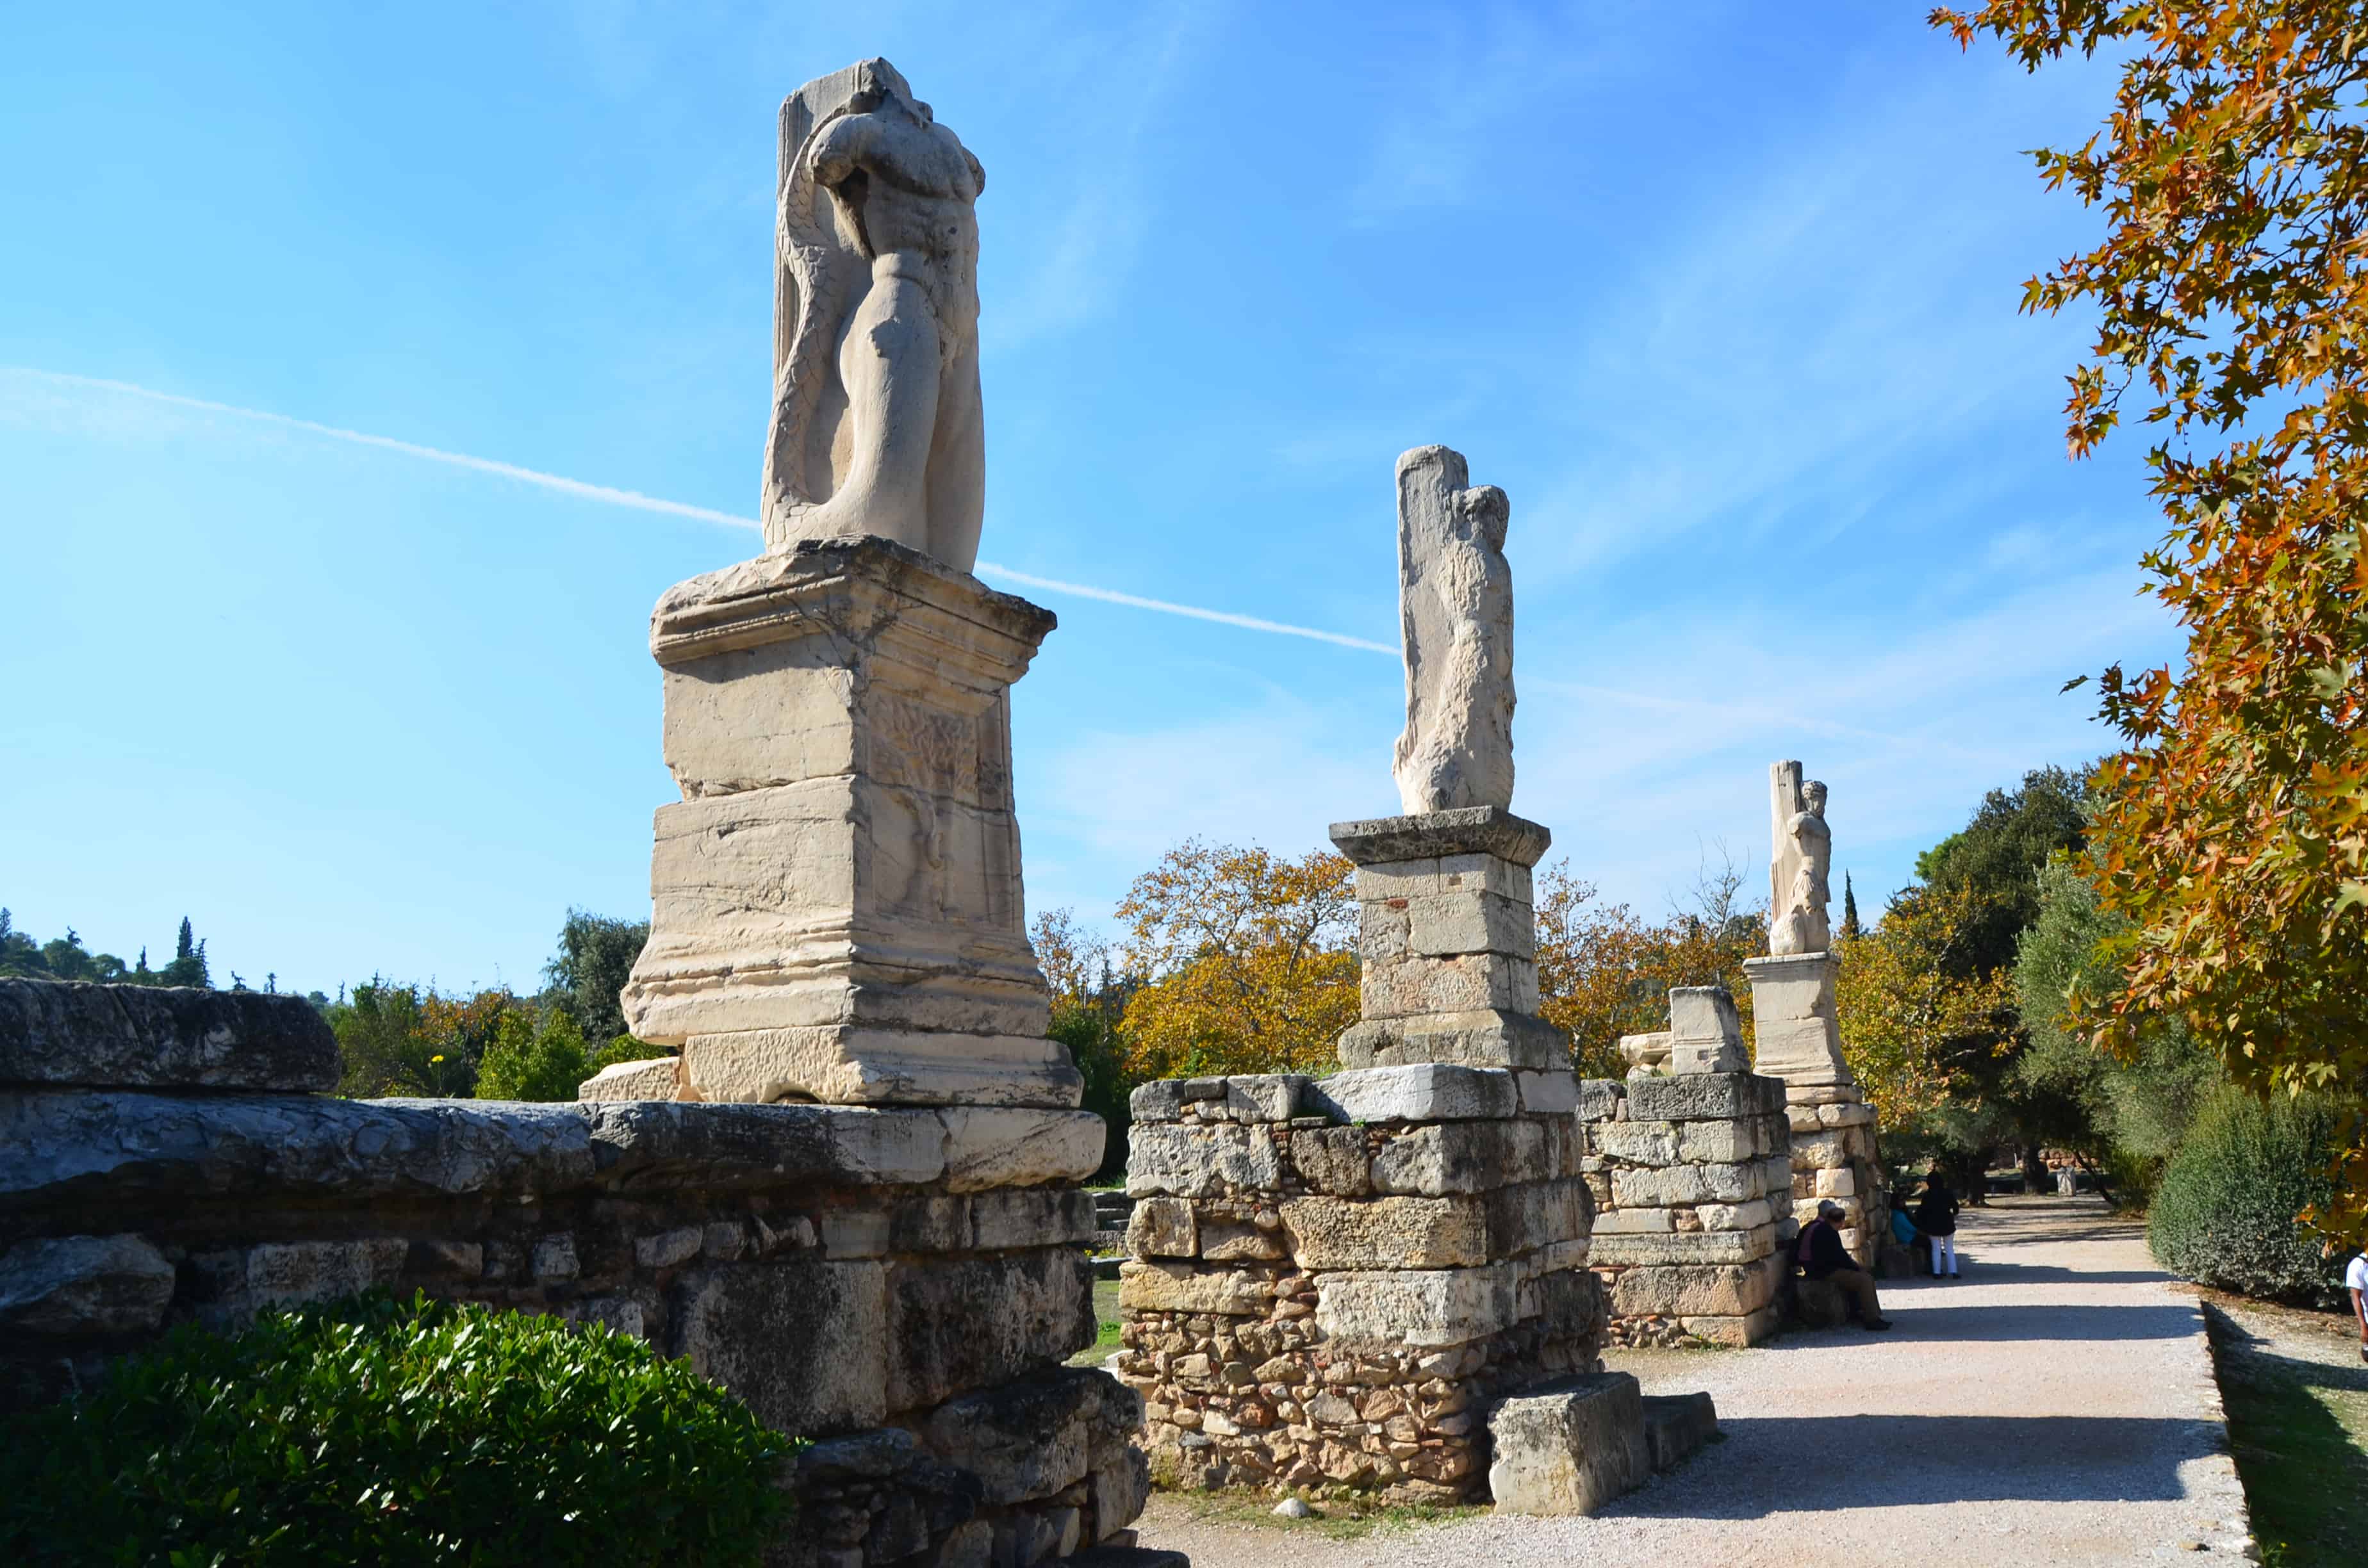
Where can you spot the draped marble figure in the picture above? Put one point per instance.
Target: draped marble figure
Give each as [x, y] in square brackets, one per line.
[1455, 604]
[1800, 863]
[876, 426]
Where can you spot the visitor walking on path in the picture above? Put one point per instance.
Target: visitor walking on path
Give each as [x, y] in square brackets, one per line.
[2355, 1279]
[1936, 1216]
[1823, 1256]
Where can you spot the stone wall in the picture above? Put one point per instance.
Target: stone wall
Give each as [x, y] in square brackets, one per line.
[1692, 1177]
[1332, 1278]
[902, 1283]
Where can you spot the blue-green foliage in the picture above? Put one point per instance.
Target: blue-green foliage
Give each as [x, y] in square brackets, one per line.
[381, 1431]
[2225, 1213]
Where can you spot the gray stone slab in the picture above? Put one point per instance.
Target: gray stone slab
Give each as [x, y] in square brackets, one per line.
[1472, 830]
[1430, 1091]
[76, 1285]
[65, 1033]
[1701, 1097]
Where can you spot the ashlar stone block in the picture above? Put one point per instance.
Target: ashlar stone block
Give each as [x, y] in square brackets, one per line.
[1387, 1233]
[1570, 1450]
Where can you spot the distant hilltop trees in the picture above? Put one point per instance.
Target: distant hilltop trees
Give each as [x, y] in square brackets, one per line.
[66, 958]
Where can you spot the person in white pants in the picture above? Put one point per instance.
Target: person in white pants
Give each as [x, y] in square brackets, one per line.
[1936, 1216]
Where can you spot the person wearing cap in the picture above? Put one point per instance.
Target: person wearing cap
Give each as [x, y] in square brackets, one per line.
[1822, 1256]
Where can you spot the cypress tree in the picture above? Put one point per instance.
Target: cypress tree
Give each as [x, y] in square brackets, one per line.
[1850, 908]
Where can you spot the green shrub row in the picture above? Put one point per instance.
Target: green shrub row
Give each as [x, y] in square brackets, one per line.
[2224, 1214]
[379, 1431]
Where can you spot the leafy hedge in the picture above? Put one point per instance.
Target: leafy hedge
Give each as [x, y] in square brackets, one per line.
[379, 1431]
[2224, 1215]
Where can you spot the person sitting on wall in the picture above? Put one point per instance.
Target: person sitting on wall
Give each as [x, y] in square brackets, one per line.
[1904, 1232]
[1822, 1256]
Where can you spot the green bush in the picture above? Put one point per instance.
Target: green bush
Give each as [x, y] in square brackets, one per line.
[378, 1431]
[2224, 1214]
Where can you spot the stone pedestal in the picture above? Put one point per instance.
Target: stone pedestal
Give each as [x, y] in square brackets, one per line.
[1332, 1277]
[1692, 1181]
[1448, 942]
[835, 901]
[1798, 1039]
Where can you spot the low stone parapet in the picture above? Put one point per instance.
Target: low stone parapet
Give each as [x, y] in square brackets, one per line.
[1692, 1175]
[1330, 1276]
[901, 1284]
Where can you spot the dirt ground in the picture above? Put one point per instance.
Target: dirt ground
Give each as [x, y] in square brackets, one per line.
[2055, 1405]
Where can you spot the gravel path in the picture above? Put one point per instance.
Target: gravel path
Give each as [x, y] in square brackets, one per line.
[2054, 1406]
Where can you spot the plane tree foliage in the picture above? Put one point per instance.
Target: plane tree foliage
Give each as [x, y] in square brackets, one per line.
[2229, 290]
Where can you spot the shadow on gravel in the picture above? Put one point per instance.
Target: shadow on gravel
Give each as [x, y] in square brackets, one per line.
[1919, 1319]
[1977, 1272]
[1888, 1461]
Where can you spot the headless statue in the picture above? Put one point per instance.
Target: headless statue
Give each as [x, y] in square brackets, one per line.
[1455, 604]
[876, 428]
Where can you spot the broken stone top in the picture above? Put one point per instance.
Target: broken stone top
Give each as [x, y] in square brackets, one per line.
[876, 427]
[1475, 830]
[1455, 607]
[62, 1034]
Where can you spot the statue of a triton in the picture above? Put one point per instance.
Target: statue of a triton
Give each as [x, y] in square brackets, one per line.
[1455, 603]
[876, 427]
[1800, 863]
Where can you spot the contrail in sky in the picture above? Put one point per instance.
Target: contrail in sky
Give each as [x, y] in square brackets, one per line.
[609, 496]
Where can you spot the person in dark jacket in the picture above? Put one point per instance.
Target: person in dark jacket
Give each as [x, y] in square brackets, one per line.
[1822, 1256]
[1936, 1216]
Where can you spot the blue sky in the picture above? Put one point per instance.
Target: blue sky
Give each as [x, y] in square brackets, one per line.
[1723, 296]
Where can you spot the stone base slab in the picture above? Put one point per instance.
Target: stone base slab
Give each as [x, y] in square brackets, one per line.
[842, 1064]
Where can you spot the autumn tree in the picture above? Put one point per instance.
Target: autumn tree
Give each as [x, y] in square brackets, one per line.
[1249, 960]
[1604, 972]
[2231, 296]
[1916, 1012]
[1089, 992]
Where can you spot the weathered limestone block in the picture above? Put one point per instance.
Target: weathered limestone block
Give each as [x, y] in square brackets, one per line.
[1639, 1142]
[1387, 1233]
[1425, 1092]
[656, 1079]
[1648, 1188]
[69, 1285]
[1447, 1306]
[1461, 1156]
[1200, 1161]
[962, 1323]
[1270, 1097]
[1531, 1215]
[1690, 1289]
[68, 1034]
[1704, 1033]
[1233, 1239]
[1613, 1247]
[1570, 1450]
[1601, 1099]
[804, 1347]
[835, 901]
[1333, 1160]
[1161, 1287]
[1163, 1227]
[1006, 1218]
[1035, 1436]
[989, 1146]
[1704, 1097]
[1455, 597]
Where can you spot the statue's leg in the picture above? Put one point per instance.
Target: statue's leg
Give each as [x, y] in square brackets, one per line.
[958, 464]
[888, 361]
